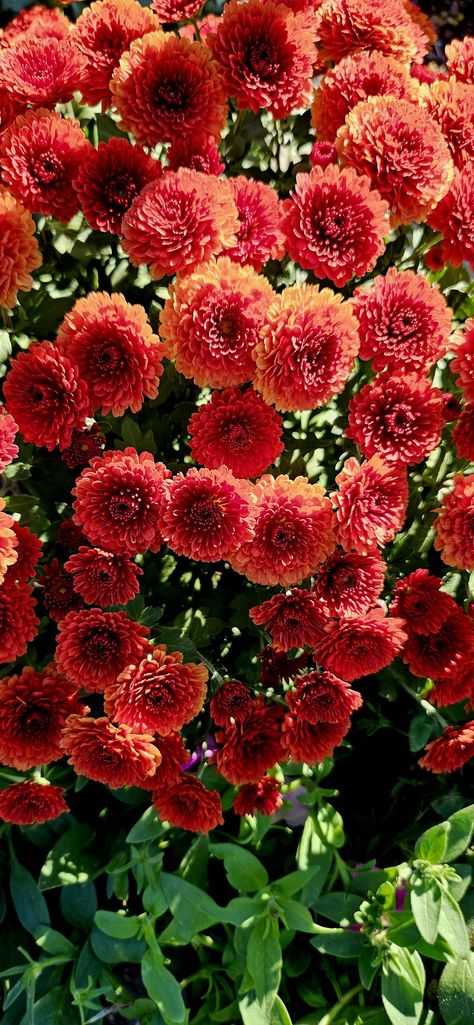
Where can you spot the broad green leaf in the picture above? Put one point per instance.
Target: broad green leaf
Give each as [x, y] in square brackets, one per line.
[369, 964]
[121, 927]
[328, 823]
[294, 881]
[193, 909]
[296, 916]
[147, 828]
[403, 984]
[338, 907]
[456, 991]
[312, 853]
[343, 943]
[425, 899]
[420, 731]
[68, 862]
[162, 987]
[448, 840]
[114, 951]
[253, 1014]
[53, 942]
[452, 926]
[30, 904]
[264, 960]
[432, 845]
[403, 932]
[244, 871]
[79, 904]
[241, 910]
[51, 1008]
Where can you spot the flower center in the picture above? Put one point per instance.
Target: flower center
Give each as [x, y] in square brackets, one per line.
[47, 168]
[236, 435]
[101, 645]
[35, 720]
[124, 505]
[109, 357]
[120, 191]
[206, 514]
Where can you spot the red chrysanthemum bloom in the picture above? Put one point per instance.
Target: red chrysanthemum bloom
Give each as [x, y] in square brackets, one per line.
[109, 179]
[263, 797]
[322, 697]
[450, 691]
[370, 503]
[454, 216]
[404, 322]
[354, 79]
[463, 434]
[165, 85]
[9, 108]
[160, 694]
[118, 501]
[8, 542]
[175, 10]
[454, 526]
[113, 346]
[422, 20]
[276, 667]
[266, 53]
[28, 553]
[84, 446]
[442, 655]
[46, 396]
[41, 71]
[28, 803]
[8, 430]
[335, 223]
[463, 363]
[206, 514]
[189, 805]
[451, 105]
[58, 594]
[450, 751]
[180, 221]
[460, 59]
[323, 154]
[402, 150]
[94, 646]
[18, 623]
[39, 157]
[233, 700]
[34, 21]
[307, 347]
[259, 236]
[305, 742]
[19, 252]
[250, 745]
[173, 756]
[293, 620]
[361, 645]
[345, 26]
[201, 154]
[418, 600]
[114, 755]
[427, 73]
[238, 429]
[435, 258]
[399, 418]
[102, 33]
[34, 707]
[102, 578]
[69, 535]
[349, 584]
[294, 532]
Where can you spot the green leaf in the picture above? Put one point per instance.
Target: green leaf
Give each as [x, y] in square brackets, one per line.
[264, 960]
[244, 871]
[53, 942]
[296, 916]
[452, 926]
[369, 964]
[30, 904]
[162, 987]
[54, 1006]
[338, 907]
[121, 927]
[79, 904]
[328, 824]
[147, 828]
[294, 881]
[114, 951]
[193, 909]
[403, 931]
[68, 862]
[343, 943]
[241, 910]
[253, 1014]
[312, 854]
[425, 899]
[419, 733]
[403, 984]
[448, 840]
[456, 991]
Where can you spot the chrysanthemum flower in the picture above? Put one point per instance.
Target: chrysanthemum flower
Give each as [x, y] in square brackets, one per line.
[463, 363]
[180, 221]
[118, 501]
[102, 578]
[84, 446]
[45, 395]
[322, 697]
[9, 108]
[211, 321]
[160, 694]
[173, 756]
[34, 707]
[238, 429]
[201, 154]
[263, 797]
[451, 105]
[260, 236]
[441, 655]
[460, 59]
[94, 646]
[352, 80]
[335, 223]
[370, 503]
[8, 542]
[114, 755]
[28, 803]
[449, 691]
[206, 514]
[36, 21]
[305, 742]
[293, 620]
[69, 535]
[454, 216]
[402, 150]
[39, 156]
[165, 85]
[463, 434]
[307, 347]
[109, 179]
[404, 322]
[175, 10]
[450, 751]
[348, 583]
[250, 745]
[19, 252]
[41, 71]
[399, 418]
[189, 805]
[323, 154]
[28, 552]
[18, 623]
[232, 701]
[113, 346]
[427, 73]
[101, 34]
[58, 595]
[454, 526]
[345, 26]
[277, 668]
[418, 600]
[422, 20]
[361, 645]
[8, 431]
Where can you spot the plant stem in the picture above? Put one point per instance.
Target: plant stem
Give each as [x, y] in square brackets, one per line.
[334, 1012]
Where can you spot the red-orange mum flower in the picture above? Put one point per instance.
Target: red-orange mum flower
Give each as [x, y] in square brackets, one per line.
[58, 594]
[266, 54]
[322, 697]
[399, 418]
[463, 434]
[173, 756]
[118, 500]
[69, 535]
[160, 694]
[34, 707]
[8, 430]
[35, 21]
[39, 156]
[323, 153]
[441, 655]
[292, 620]
[94, 646]
[402, 150]
[404, 322]
[460, 59]
[263, 797]
[232, 700]
[113, 346]
[27, 803]
[8, 542]
[201, 154]
[345, 26]
[451, 105]
[421, 19]
[294, 532]
[454, 216]
[454, 526]
[46, 396]
[189, 804]
[101, 34]
[312, 743]
[165, 85]
[276, 667]
[41, 71]
[176, 10]
[84, 446]
[361, 645]
[211, 321]
[102, 578]
[206, 514]
[250, 745]
[353, 79]
[19, 253]
[335, 223]
[18, 623]
[450, 751]
[238, 429]
[9, 108]
[28, 552]
[307, 347]
[418, 600]
[180, 221]
[109, 180]
[370, 503]
[114, 755]
[463, 363]
[450, 691]
[260, 236]
[348, 583]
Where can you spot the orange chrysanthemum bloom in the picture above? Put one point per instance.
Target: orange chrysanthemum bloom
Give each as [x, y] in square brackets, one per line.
[41, 71]
[109, 180]
[114, 755]
[451, 104]
[102, 33]
[454, 526]
[176, 10]
[199, 153]
[454, 216]
[37, 21]
[19, 253]
[46, 395]
[361, 645]
[294, 532]
[8, 432]
[207, 514]
[34, 707]
[345, 26]
[451, 751]
[293, 620]
[260, 236]
[349, 584]
[9, 109]
[8, 542]
[211, 321]
[460, 59]
[463, 363]
[370, 503]
[29, 802]
[180, 221]
[160, 694]
[307, 347]
[399, 418]
[422, 20]
[402, 150]
[164, 86]
[238, 429]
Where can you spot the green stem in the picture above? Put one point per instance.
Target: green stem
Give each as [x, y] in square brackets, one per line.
[334, 1012]
[425, 705]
